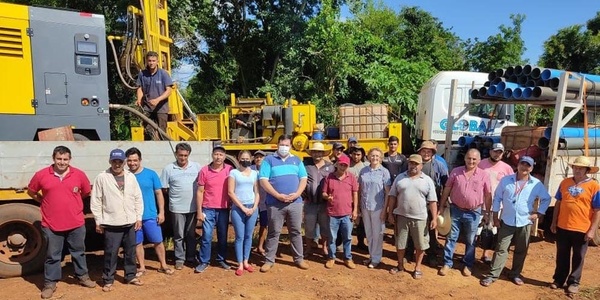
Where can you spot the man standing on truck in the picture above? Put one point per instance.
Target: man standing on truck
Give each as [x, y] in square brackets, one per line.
[117, 204]
[469, 189]
[497, 169]
[62, 189]
[154, 88]
[179, 179]
[575, 221]
[516, 193]
[283, 176]
[154, 212]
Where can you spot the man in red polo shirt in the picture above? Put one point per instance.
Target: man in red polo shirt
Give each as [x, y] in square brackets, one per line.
[340, 190]
[60, 189]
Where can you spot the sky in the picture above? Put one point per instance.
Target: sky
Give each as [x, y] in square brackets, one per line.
[480, 19]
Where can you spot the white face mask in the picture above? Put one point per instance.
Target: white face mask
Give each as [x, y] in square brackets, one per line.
[283, 150]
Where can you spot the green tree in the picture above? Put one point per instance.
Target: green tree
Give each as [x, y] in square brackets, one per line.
[573, 48]
[503, 49]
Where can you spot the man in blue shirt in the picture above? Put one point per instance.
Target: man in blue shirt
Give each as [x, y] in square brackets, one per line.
[154, 212]
[516, 193]
[284, 178]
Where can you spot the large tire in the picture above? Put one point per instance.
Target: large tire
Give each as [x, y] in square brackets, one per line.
[20, 220]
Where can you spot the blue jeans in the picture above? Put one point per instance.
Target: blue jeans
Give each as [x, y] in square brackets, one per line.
[75, 241]
[218, 217]
[344, 226]
[243, 226]
[467, 221]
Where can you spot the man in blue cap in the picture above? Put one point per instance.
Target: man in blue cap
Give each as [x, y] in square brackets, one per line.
[516, 194]
[117, 204]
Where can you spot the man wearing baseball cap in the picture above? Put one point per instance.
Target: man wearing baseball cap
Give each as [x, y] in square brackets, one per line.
[411, 193]
[340, 190]
[117, 205]
[336, 151]
[516, 193]
[497, 169]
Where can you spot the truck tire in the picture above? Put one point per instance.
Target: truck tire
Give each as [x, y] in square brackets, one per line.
[22, 244]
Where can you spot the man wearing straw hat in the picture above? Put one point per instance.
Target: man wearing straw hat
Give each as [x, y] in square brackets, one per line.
[517, 194]
[315, 208]
[497, 170]
[575, 221]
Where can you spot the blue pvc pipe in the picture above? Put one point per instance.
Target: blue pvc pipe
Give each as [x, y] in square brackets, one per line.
[517, 93]
[503, 85]
[573, 132]
[492, 139]
[527, 92]
[464, 141]
[492, 90]
[507, 93]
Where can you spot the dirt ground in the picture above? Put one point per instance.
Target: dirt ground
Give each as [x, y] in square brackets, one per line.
[285, 281]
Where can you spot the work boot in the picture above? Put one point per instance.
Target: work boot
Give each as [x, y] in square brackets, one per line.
[266, 267]
[350, 264]
[87, 282]
[444, 270]
[48, 290]
[330, 263]
[302, 265]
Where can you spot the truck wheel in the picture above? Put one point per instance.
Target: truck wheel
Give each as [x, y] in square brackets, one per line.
[230, 159]
[22, 245]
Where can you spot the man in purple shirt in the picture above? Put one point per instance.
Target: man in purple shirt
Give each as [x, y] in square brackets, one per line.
[469, 189]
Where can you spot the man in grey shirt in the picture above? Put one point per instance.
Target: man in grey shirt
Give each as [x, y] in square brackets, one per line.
[411, 193]
[154, 88]
[179, 178]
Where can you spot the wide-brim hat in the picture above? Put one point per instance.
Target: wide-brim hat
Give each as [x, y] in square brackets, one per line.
[428, 145]
[318, 146]
[583, 161]
[444, 222]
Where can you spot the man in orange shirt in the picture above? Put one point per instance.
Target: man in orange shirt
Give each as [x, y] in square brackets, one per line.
[575, 221]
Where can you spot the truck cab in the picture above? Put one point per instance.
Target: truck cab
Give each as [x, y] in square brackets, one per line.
[432, 112]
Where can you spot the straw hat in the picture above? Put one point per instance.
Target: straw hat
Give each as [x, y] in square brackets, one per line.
[583, 161]
[444, 222]
[428, 145]
[317, 146]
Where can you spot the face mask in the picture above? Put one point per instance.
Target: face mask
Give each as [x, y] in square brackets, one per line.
[245, 163]
[284, 150]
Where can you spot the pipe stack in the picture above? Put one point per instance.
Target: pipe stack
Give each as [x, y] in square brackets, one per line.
[483, 143]
[536, 83]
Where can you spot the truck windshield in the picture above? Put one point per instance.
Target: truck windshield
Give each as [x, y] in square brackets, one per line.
[496, 111]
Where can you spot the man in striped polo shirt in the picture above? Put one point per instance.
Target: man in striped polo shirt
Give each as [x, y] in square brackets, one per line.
[283, 177]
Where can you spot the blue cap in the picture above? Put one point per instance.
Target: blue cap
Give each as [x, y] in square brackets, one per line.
[528, 160]
[352, 140]
[117, 154]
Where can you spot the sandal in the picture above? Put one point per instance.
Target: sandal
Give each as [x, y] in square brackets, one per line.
[518, 281]
[107, 287]
[166, 271]
[249, 268]
[396, 270]
[135, 281]
[417, 274]
[140, 273]
[239, 272]
[486, 281]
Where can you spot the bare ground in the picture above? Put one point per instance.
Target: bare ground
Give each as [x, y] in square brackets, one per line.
[285, 281]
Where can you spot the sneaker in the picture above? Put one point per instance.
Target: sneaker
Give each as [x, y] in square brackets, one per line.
[266, 267]
[302, 265]
[179, 265]
[87, 282]
[200, 268]
[372, 265]
[573, 288]
[444, 270]
[466, 271]
[330, 263]
[349, 264]
[48, 290]
[224, 265]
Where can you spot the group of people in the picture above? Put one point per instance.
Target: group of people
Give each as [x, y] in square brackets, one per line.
[335, 191]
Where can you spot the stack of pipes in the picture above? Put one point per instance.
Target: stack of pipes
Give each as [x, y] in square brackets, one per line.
[536, 83]
[481, 142]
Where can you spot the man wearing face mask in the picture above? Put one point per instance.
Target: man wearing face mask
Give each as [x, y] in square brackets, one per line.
[284, 178]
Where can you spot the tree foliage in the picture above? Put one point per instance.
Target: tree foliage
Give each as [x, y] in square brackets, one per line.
[503, 49]
[574, 48]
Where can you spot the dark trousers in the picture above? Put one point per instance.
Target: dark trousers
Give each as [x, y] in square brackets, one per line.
[75, 239]
[567, 241]
[360, 233]
[161, 119]
[114, 236]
